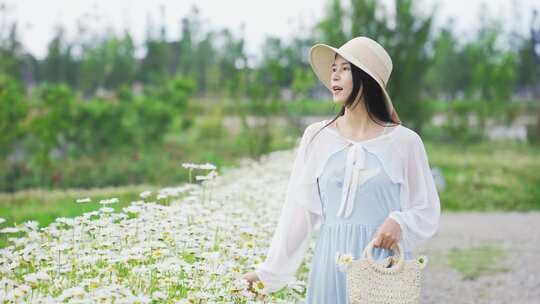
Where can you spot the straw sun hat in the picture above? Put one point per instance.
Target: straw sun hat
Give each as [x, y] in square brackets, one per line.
[363, 52]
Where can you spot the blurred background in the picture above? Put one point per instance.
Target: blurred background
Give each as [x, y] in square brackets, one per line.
[103, 98]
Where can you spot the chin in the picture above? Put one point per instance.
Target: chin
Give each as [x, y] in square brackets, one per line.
[339, 101]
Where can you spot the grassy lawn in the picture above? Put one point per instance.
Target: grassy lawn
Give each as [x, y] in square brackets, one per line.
[44, 206]
[488, 176]
[476, 261]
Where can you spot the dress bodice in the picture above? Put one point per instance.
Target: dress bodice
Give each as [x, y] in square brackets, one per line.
[376, 194]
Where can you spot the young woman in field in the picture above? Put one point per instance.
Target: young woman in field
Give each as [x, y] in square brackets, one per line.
[358, 177]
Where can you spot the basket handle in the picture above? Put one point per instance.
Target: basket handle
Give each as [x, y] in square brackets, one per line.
[398, 250]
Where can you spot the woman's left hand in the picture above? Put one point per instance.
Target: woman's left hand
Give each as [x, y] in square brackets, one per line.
[388, 234]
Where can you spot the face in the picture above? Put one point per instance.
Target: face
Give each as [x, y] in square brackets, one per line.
[341, 80]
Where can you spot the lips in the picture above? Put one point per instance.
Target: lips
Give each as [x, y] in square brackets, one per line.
[336, 89]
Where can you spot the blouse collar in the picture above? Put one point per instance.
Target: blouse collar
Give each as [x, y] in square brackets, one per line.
[365, 141]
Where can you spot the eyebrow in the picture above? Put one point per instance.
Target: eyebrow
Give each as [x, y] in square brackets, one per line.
[333, 65]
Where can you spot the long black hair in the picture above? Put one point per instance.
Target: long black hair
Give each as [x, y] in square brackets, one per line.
[372, 95]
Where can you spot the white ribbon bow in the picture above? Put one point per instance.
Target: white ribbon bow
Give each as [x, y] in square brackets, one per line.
[355, 174]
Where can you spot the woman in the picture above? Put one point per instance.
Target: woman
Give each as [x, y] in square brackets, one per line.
[359, 177]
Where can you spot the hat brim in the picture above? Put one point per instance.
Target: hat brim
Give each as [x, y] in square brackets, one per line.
[321, 58]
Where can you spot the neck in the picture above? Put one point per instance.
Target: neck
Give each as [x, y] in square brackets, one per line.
[357, 121]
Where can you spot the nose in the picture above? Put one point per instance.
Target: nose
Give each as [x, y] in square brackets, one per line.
[335, 75]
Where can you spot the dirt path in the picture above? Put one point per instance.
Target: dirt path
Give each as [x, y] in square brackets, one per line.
[516, 275]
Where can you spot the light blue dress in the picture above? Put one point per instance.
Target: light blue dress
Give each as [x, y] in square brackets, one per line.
[373, 201]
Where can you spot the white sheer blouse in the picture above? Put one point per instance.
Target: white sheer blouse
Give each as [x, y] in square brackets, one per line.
[404, 159]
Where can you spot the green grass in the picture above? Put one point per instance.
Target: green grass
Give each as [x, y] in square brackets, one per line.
[477, 261]
[44, 206]
[488, 176]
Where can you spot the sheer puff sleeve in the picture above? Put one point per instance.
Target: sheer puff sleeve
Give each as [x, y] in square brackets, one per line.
[419, 220]
[300, 216]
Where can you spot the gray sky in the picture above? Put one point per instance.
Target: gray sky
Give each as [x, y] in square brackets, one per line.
[283, 18]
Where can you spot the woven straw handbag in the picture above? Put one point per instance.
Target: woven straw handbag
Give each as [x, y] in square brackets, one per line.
[391, 280]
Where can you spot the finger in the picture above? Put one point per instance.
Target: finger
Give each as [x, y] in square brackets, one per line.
[389, 243]
[395, 244]
[377, 242]
[385, 243]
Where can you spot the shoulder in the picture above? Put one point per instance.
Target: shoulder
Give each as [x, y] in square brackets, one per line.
[408, 144]
[408, 136]
[312, 138]
[313, 128]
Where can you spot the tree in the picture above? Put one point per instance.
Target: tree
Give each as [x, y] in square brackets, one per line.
[444, 77]
[59, 65]
[232, 64]
[408, 46]
[492, 71]
[108, 63]
[528, 72]
[13, 110]
[331, 28]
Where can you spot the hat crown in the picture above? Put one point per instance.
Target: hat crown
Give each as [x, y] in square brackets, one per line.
[370, 55]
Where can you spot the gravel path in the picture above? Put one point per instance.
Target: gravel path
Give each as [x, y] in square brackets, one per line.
[517, 234]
